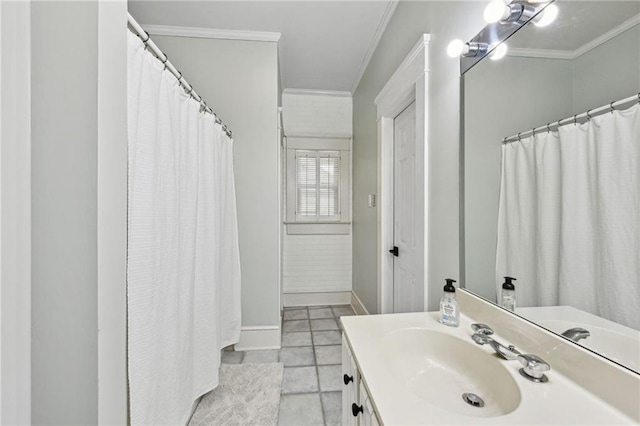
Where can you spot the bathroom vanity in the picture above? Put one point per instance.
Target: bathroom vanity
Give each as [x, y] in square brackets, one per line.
[410, 369]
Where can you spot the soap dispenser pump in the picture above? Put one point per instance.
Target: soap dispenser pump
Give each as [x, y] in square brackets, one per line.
[449, 310]
[508, 298]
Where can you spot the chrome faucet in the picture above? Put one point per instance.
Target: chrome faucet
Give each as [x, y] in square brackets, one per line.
[576, 334]
[533, 367]
[507, 352]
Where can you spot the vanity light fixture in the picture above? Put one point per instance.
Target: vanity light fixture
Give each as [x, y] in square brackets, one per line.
[548, 15]
[517, 11]
[459, 48]
[499, 52]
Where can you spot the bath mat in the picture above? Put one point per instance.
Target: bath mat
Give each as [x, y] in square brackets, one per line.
[248, 394]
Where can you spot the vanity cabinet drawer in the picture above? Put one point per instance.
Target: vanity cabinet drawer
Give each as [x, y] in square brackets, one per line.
[357, 408]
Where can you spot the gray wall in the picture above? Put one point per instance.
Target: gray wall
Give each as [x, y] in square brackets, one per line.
[64, 319]
[239, 80]
[608, 73]
[444, 21]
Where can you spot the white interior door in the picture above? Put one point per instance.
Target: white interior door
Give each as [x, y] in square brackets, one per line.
[408, 285]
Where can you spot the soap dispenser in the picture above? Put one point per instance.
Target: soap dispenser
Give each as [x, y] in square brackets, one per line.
[508, 298]
[449, 310]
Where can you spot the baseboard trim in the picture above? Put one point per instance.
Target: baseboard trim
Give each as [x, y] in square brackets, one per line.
[357, 305]
[317, 298]
[259, 337]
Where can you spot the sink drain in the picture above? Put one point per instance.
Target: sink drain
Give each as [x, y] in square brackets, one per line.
[473, 399]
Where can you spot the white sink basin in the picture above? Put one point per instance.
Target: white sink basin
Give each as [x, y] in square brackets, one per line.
[440, 368]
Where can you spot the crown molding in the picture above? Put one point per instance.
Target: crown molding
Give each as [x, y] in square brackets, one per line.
[166, 30]
[334, 93]
[541, 53]
[384, 21]
[628, 24]
[587, 47]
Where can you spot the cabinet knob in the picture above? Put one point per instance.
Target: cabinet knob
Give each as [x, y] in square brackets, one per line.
[356, 409]
[347, 379]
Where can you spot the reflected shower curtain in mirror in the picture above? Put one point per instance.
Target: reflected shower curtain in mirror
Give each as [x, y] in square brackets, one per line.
[183, 258]
[569, 217]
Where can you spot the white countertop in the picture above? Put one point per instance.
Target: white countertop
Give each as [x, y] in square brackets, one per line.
[559, 401]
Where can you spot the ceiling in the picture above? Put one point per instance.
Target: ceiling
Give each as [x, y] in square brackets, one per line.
[578, 24]
[324, 45]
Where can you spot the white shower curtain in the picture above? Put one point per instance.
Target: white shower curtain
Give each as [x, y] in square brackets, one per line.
[183, 257]
[569, 217]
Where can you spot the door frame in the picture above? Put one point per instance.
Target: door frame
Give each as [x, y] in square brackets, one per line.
[407, 84]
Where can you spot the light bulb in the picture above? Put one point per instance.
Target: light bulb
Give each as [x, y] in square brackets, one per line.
[496, 11]
[456, 48]
[548, 15]
[499, 52]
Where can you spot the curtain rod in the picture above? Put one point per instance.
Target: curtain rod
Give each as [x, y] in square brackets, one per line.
[574, 119]
[162, 57]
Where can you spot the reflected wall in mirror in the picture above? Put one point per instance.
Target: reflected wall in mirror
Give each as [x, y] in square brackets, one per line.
[559, 210]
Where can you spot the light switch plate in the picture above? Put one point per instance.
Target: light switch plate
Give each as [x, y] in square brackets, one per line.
[372, 200]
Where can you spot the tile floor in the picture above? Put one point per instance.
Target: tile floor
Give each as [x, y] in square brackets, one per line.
[312, 356]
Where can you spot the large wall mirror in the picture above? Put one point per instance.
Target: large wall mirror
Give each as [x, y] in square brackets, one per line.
[559, 210]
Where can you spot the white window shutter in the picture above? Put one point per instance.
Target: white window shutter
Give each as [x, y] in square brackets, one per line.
[317, 186]
[306, 186]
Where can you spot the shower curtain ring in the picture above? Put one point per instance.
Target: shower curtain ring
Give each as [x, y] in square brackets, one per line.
[638, 97]
[548, 127]
[148, 37]
[533, 132]
[519, 139]
[613, 109]
[588, 115]
[575, 119]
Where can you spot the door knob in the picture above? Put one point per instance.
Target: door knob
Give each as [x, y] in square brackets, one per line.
[346, 379]
[394, 251]
[356, 409]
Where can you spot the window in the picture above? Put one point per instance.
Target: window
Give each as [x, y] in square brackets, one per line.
[317, 185]
[318, 190]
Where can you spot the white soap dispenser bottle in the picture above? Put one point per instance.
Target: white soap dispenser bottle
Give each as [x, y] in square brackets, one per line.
[508, 298]
[449, 309]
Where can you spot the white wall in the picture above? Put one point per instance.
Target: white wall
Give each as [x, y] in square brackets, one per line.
[239, 81]
[316, 263]
[444, 21]
[317, 114]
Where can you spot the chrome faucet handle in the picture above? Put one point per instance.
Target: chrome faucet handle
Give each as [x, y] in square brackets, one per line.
[482, 329]
[534, 368]
[507, 352]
